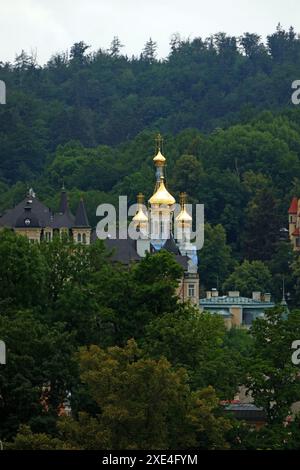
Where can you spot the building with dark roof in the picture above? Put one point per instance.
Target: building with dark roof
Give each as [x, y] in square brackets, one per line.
[37, 222]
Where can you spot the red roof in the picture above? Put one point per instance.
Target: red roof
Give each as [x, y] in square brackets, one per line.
[294, 206]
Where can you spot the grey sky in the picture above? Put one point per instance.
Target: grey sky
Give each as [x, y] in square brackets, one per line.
[49, 26]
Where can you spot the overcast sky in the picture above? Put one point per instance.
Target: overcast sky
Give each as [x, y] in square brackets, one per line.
[49, 26]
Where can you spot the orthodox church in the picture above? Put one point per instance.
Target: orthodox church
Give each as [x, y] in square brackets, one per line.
[160, 228]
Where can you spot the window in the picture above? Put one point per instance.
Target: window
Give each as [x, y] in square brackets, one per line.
[191, 290]
[48, 236]
[79, 237]
[298, 241]
[84, 239]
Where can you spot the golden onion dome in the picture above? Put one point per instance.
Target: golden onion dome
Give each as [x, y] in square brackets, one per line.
[140, 216]
[159, 158]
[184, 216]
[162, 195]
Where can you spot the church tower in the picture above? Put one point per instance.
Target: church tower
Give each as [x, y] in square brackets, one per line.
[161, 203]
[160, 229]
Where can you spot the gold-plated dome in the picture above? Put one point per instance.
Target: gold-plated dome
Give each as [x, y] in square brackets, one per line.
[184, 216]
[140, 216]
[159, 158]
[162, 195]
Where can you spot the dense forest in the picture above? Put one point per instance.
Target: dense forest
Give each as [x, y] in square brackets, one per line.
[138, 369]
[231, 136]
[157, 371]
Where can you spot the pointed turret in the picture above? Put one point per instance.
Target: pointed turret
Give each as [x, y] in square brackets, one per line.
[81, 218]
[64, 205]
[283, 302]
[81, 228]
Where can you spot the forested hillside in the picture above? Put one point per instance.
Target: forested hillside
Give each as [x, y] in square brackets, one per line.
[223, 104]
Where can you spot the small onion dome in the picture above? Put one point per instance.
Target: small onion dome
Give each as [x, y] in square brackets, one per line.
[159, 158]
[162, 196]
[140, 216]
[183, 216]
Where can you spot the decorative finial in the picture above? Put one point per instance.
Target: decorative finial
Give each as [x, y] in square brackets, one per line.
[182, 199]
[159, 142]
[31, 193]
[140, 198]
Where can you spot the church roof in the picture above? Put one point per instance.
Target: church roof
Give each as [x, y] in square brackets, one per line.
[294, 206]
[123, 251]
[159, 158]
[171, 246]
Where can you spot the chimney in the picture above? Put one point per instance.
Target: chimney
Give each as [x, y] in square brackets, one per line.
[267, 297]
[256, 296]
[214, 292]
[233, 293]
[208, 294]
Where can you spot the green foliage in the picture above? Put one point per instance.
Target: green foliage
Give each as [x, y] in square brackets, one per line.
[196, 342]
[22, 272]
[249, 277]
[215, 258]
[38, 373]
[273, 380]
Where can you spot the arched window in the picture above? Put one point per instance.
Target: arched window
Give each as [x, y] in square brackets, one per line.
[79, 237]
[84, 238]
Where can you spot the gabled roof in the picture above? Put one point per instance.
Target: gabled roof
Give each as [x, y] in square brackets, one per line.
[81, 218]
[38, 209]
[27, 219]
[294, 206]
